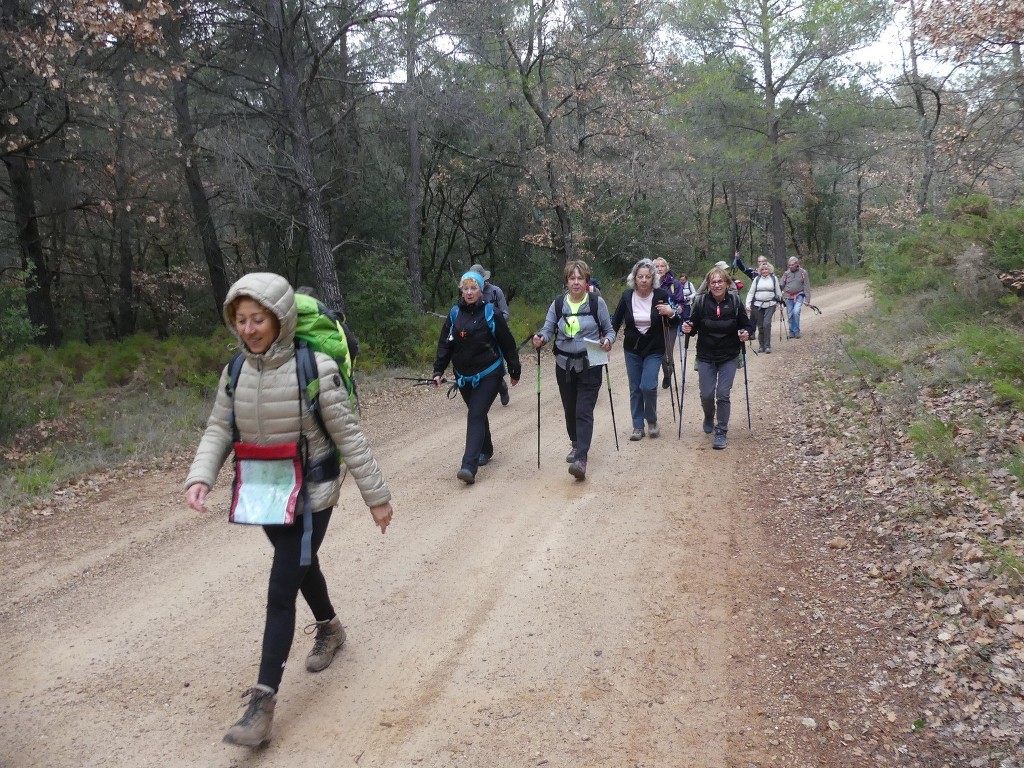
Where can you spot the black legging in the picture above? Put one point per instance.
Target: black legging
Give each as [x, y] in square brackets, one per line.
[287, 579]
[579, 393]
[478, 429]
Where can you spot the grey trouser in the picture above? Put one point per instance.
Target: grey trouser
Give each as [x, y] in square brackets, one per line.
[715, 384]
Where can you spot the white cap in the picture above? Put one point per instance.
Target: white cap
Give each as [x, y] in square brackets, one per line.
[721, 265]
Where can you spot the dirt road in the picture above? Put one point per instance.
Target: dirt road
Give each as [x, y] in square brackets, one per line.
[526, 620]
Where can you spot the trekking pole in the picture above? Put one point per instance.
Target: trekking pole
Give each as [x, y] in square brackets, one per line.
[418, 381]
[676, 389]
[672, 390]
[683, 354]
[746, 386]
[538, 407]
[524, 342]
[611, 402]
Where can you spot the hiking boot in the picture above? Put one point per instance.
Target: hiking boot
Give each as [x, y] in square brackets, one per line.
[760, 349]
[708, 426]
[466, 475]
[653, 430]
[483, 459]
[666, 380]
[330, 636]
[570, 457]
[638, 434]
[796, 335]
[503, 393]
[578, 469]
[719, 442]
[253, 730]
[767, 350]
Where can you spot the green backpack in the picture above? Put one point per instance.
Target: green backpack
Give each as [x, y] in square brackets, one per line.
[324, 330]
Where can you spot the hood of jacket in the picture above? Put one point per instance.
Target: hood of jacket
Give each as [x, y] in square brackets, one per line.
[275, 293]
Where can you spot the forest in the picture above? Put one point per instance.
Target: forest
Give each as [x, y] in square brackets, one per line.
[155, 150]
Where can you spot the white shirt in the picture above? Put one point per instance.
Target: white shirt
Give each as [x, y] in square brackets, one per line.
[642, 311]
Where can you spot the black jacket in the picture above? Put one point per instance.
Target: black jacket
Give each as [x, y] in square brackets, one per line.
[644, 344]
[716, 325]
[470, 346]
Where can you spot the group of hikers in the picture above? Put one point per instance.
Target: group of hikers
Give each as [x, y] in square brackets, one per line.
[286, 413]
[655, 309]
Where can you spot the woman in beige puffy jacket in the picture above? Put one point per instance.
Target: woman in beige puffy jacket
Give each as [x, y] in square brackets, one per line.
[269, 410]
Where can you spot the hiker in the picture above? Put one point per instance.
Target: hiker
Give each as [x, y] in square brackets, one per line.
[720, 322]
[750, 272]
[796, 285]
[762, 299]
[266, 411]
[575, 317]
[676, 298]
[496, 296]
[646, 310]
[476, 340]
[734, 285]
[689, 291]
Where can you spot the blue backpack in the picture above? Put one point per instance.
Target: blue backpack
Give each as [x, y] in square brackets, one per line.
[474, 380]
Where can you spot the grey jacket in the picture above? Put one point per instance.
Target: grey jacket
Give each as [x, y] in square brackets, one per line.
[269, 408]
[570, 351]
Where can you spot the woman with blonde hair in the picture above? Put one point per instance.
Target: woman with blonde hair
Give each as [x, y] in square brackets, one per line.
[720, 322]
[762, 299]
[476, 341]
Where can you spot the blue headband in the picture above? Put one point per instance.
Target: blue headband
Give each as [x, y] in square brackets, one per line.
[475, 276]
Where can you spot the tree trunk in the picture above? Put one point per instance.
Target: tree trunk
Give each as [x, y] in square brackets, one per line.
[778, 211]
[197, 196]
[414, 195]
[122, 225]
[324, 272]
[925, 124]
[38, 295]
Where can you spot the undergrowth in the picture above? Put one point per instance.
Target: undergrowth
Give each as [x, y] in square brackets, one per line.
[82, 408]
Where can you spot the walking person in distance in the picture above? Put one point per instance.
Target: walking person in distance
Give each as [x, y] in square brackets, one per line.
[263, 413]
[575, 317]
[720, 322]
[796, 285]
[476, 341]
[762, 299]
[646, 311]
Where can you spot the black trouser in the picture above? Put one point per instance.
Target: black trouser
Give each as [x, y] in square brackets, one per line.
[763, 322]
[478, 400]
[287, 579]
[579, 393]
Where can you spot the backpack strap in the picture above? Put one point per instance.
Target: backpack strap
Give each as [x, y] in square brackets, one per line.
[308, 374]
[234, 371]
[474, 380]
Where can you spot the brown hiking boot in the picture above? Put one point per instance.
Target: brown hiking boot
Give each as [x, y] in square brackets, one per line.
[330, 636]
[253, 730]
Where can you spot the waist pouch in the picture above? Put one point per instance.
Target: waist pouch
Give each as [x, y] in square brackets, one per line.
[267, 486]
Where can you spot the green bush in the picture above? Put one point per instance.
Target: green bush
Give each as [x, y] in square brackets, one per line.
[16, 329]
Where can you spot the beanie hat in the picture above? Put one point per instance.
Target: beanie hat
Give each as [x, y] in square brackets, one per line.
[473, 276]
